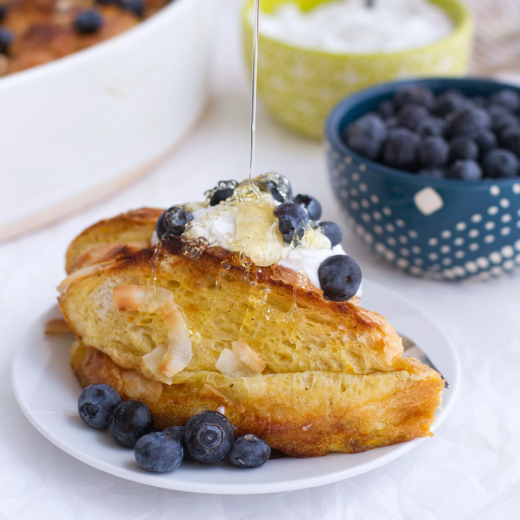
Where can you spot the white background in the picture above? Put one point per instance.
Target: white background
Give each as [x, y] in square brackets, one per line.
[470, 469]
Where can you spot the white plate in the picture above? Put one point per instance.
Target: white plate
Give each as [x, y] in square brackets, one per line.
[47, 392]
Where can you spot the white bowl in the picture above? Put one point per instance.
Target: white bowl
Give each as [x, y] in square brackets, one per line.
[80, 127]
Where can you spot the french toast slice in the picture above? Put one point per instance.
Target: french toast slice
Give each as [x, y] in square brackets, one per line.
[332, 374]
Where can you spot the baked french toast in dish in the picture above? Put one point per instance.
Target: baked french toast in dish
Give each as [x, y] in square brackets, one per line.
[248, 306]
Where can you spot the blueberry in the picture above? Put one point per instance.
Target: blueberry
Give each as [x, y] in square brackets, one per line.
[433, 173]
[467, 121]
[391, 122]
[510, 140]
[332, 231]
[220, 195]
[130, 421]
[158, 451]
[500, 163]
[410, 116]
[292, 220]
[501, 118]
[449, 102]
[366, 135]
[208, 436]
[276, 184]
[173, 222]
[249, 451]
[89, 21]
[486, 141]
[134, 6]
[340, 277]
[431, 126]
[312, 206]
[107, 2]
[97, 403]
[462, 147]
[400, 149]
[433, 151]
[6, 38]
[507, 98]
[386, 108]
[464, 170]
[415, 94]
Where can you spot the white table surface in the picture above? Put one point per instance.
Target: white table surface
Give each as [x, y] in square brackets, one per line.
[470, 469]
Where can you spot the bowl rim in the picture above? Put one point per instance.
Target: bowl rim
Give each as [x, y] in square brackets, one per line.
[335, 116]
[139, 31]
[465, 24]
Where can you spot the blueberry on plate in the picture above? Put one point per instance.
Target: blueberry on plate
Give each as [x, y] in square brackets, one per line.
[89, 21]
[431, 126]
[386, 108]
[292, 219]
[415, 94]
[510, 140]
[312, 205]
[467, 121]
[158, 451]
[366, 135]
[130, 421]
[507, 98]
[220, 195]
[465, 171]
[400, 149]
[433, 173]
[134, 6]
[486, 141]
[449, 102]
[173, 222]
[208, 436]
[249, 451]
[340, 277]
[433, 151]
[332, 231]
[462, 147]
[410, 116]
[500, 163]
[6, 38]
[97, 403]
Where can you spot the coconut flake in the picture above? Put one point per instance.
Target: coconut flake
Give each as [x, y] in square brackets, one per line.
[230, 365]
[164, 361]
[248, 356]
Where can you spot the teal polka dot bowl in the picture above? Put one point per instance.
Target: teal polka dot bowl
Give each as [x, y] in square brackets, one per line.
[442, 229]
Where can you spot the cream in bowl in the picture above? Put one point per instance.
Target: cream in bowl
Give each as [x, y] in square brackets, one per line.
[313, 53]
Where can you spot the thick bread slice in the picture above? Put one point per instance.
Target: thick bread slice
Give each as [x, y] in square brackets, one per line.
[335, 365]
[304, 414]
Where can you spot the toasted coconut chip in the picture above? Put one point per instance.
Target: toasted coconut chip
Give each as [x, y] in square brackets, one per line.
[248, 356]
[57, 326]
[164, 360]
[230, 365]
[138, 387]
[76, 276]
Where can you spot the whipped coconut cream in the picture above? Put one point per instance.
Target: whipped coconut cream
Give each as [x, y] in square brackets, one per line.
[350, 26]
[253, 230]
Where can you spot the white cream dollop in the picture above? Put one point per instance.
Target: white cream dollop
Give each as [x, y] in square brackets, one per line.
[350, 26]
[252, 229]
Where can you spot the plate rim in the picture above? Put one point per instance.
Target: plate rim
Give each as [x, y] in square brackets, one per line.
[156, 480]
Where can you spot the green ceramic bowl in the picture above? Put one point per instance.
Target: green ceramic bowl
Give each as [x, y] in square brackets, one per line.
[299, 86]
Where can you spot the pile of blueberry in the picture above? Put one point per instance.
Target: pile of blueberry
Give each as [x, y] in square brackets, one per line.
[207, 437]
[339, 275]
[447, 136]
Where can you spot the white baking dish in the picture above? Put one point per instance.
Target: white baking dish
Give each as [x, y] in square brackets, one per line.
[80, 127]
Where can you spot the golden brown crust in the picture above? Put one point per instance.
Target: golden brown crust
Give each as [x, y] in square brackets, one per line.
[289, 411]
